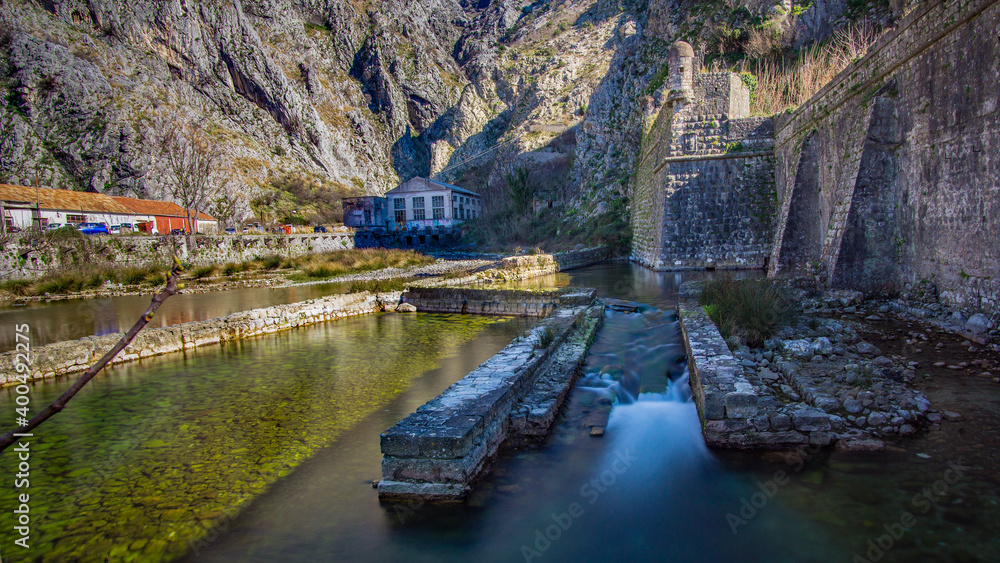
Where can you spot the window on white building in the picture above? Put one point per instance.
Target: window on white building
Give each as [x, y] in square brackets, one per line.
[399, 206]
[437, 206]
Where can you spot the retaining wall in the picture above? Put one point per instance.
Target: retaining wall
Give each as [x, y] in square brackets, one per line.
[24, 258]
[73, 356]
[77, 355]
[489, 301]
[438, 452]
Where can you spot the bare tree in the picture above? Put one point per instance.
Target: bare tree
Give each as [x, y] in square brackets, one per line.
[195, 176]
[226, 209]
[171, 288]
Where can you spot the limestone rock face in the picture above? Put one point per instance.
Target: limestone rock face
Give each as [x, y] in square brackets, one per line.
[365, 94]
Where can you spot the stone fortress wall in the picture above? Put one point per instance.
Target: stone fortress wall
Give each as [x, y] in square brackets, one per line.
[705, 186]
[889, 175]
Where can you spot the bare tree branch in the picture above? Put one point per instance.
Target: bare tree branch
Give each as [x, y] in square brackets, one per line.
[171, 288]
[194, 165]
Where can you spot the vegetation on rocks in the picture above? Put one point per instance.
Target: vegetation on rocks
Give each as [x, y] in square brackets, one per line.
[751, 310]
[342, 262]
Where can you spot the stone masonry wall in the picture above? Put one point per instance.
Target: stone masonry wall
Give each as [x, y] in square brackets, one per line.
[22, 260]
[438, 452]
[704, 193]
[889, 175]
[485, 301]
[732, 413]
[73, 356]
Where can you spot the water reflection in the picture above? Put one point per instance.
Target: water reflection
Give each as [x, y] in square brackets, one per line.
[76, 318]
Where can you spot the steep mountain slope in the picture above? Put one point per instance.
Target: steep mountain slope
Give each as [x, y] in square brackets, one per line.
[362, 93]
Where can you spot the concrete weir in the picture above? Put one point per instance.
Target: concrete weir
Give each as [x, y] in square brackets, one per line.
[438, 452]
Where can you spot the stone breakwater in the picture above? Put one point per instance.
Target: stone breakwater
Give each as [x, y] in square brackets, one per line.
[438, 452]
[821, 384]
[484, 301]
[514, 268]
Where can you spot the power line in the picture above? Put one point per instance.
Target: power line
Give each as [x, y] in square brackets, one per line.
[475, 156]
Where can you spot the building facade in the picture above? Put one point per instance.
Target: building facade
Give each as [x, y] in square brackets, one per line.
[367, 212]
[425, 203]
[25, 207]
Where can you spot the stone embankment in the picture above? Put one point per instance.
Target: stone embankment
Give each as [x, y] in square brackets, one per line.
[484, 301]
[818, 384]
[438, 452]
[72, 356]
[77, 355]
[24, 260]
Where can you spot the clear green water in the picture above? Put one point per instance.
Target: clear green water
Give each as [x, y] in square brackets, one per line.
[152, 455]
[69, 319]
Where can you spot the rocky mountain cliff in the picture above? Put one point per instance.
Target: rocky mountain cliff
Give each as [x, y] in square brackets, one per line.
[362, 93]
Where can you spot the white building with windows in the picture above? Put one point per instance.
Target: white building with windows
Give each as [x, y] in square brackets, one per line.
[421, 202]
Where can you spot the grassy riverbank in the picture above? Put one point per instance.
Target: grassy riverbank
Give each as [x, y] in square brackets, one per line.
[271, 268]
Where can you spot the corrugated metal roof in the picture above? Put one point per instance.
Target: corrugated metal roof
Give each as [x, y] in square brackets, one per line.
[454, 187]
[65, 200]
[156, 207]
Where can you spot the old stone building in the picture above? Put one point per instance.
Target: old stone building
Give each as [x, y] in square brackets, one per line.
[705, 185]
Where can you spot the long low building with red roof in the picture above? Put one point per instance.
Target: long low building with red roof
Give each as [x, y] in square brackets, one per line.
[25, 207]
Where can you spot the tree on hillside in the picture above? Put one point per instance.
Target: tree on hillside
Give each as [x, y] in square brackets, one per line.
[195, 176]
[520, 190]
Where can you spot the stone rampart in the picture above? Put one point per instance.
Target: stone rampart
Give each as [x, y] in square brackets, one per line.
[889, 175]
[704, 193]
[438, 452]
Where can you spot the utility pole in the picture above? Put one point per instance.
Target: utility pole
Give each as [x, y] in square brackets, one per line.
[38, 205]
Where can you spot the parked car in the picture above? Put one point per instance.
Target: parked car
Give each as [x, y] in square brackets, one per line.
[115, 229]
[178, 232]
[127, 227]
[230, 231]
[54, 226]
[93, 228]
[319, 229]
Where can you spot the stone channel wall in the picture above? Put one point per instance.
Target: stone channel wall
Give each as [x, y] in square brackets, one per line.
[889, 175]
[438, 452]
[73, 356]
[26, 259]
[484, 301]
[732, 413]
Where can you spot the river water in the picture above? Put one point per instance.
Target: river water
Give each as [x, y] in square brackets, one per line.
[147, 462]
[69, 319]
